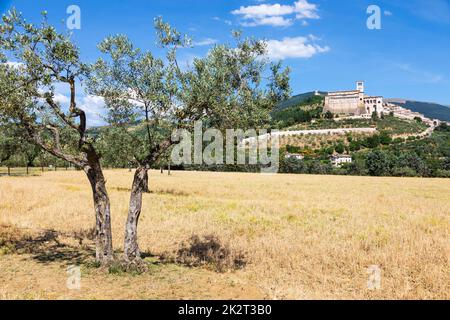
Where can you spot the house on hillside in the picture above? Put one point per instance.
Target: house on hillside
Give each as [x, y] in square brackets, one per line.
[296, 156]
[340, 159]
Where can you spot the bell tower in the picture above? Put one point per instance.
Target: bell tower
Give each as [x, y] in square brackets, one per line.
[360, 86]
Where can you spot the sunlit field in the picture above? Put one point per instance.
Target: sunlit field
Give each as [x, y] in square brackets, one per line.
[302, 237]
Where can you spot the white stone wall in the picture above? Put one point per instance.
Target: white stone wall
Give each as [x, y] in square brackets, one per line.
[373, 104]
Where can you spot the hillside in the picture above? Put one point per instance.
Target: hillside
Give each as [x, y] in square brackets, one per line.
[401, 147]
[297, 99]
[430, 110]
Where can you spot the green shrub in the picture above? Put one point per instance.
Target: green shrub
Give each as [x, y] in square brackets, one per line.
[443, 173]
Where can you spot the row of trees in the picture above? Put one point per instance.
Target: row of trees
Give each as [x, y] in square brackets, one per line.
[146, 98]
[15, 149]
[374, 163]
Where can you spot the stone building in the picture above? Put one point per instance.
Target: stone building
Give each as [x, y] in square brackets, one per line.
[373, 104]
[353, 103]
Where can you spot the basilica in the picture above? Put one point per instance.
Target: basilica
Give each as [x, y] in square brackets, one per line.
[353, 103]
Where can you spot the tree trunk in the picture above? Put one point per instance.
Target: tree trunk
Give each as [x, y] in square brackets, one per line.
[145, 187]
[131, 248]
[103, 234]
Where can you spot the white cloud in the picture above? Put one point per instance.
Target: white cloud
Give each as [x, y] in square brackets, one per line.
[305, 10]
[263, 10]
[94, 107]
[275, 14]
[13, 64]
[205, 42]
[270, 21]
[61, 99]
[298, 47]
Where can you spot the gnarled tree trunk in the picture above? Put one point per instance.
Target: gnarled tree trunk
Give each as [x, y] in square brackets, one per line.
[103, 234]
[132, 253]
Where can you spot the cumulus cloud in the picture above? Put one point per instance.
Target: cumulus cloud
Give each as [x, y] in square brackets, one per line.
[277, 15]
[297, 47]
[305, 10]
[94, 107]
[61, 99]
[271, 21]
[264, 10]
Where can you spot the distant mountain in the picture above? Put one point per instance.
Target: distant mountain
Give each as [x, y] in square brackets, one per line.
[430, 110]
[296, 100]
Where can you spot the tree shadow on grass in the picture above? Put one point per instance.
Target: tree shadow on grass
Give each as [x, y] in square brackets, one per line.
[207, 251]
[45, 247]
[50, 246]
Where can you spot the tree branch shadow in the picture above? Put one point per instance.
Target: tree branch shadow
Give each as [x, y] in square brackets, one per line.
[45, 247]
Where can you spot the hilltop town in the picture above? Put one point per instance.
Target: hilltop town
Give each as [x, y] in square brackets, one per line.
[355, 104]
[342, 129]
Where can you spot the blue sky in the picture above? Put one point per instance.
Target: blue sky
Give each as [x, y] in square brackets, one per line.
[325, 42]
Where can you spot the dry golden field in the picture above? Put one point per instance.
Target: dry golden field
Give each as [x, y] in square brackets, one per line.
[304, 237]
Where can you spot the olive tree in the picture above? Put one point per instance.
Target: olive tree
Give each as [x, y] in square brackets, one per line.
[234, 86]
[10, 142]
[43, 59]
[116, 147]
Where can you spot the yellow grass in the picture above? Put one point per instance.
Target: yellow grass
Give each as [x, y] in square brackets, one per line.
[305, 237]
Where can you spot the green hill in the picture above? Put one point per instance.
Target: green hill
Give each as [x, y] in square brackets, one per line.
[298, 99]
[430, 110]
